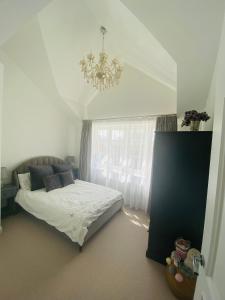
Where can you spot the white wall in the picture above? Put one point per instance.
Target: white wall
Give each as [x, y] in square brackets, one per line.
[210, 103]
[1, 94]
[33, 124]
[217, 95]
[136, 94]
[216, 105]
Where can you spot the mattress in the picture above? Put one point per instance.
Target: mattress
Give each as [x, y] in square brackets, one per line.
[78, 210]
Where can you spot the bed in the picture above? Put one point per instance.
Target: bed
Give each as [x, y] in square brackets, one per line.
[79, 210]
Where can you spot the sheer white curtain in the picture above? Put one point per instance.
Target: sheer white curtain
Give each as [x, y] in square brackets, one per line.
[121, 158]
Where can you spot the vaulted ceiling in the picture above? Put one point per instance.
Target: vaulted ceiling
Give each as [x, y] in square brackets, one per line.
[50, 45]
[174, 42]
[14, 13]
[190, 31]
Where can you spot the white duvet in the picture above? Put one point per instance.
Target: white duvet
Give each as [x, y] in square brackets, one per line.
[70, 209]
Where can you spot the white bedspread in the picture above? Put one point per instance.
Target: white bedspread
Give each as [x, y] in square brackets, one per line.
[70, 209]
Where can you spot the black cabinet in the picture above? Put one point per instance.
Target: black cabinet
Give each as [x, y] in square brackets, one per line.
[178, 190]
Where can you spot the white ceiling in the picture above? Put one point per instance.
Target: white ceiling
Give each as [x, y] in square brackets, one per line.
[189, 30]
[49, 47]
[14, 13]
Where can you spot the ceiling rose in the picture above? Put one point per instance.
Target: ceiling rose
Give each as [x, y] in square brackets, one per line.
[104, 73]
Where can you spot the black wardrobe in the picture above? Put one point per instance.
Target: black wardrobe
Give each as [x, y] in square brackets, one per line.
[178, 190]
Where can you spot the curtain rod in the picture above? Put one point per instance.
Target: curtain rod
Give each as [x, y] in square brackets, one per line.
[132, 117]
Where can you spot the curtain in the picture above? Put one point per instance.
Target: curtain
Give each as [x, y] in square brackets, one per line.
[121, 158]
[85, 150]
[166, 123]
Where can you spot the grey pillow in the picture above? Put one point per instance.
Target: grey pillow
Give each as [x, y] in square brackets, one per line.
[61, 168]
[52, 182]
[66, 178]
[37, 173]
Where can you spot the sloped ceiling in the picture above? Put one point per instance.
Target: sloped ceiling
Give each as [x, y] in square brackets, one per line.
[49, 47]
[128, 98]
[15, 13]
[190, 32]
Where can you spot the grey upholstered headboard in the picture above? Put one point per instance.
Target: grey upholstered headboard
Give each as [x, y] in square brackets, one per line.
[35, 161]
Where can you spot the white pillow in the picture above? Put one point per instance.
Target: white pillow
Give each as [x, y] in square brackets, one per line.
[24, 180]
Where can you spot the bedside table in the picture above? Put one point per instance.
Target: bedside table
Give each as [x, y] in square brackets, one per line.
[76, 173]
[8, 193]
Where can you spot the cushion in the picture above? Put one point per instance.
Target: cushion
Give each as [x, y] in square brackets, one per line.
[66, 178]
[24, 181]
[37, 173]
[52, 182]
[63, 168]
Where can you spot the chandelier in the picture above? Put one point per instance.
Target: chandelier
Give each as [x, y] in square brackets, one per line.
[104, 73]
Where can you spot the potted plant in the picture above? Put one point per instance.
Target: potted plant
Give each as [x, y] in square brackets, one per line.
[193, 118]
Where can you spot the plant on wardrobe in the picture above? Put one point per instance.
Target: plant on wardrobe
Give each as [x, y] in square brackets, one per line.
[193, 118]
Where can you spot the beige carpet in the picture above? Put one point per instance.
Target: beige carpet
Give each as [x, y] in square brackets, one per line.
[39, 263]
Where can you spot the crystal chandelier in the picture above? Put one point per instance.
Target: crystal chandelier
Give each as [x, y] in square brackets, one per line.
[104, 73]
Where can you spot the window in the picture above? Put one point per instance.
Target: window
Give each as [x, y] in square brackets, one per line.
[122, 157]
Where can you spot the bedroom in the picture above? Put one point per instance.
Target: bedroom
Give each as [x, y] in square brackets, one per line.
[49, 110]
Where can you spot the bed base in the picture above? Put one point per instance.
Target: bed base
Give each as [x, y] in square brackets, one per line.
[101, 221]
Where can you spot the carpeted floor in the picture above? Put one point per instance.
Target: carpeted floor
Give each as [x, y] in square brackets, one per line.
[39, 263]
